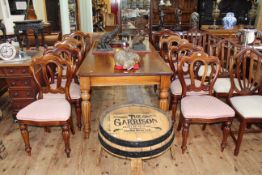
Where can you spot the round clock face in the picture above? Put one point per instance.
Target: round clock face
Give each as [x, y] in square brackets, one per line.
[7, 51]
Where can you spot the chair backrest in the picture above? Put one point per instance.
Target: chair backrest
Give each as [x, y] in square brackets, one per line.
[212, 41]
[207, 80]
[224, 50]
[156, 36]
[175, 53]
[41, 67]
[246, 73]
[166, 42]
[85, 38]
[197, 37]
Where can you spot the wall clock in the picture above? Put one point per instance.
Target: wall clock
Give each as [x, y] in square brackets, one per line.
[7, 51]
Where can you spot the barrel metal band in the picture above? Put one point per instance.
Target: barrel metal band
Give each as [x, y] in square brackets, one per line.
[135, 144]
[140, 154]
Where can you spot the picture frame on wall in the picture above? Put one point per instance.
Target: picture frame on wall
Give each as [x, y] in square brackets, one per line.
[17, 7]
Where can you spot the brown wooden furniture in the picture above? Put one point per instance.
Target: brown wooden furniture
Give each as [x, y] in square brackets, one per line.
[225, 50]
[186, 6]
[165, 43]
[48, 111]
[244, 95]
[221, 32]
[175, 54]
[21, 86]
[35, 25]
[157, 34]
[199, 108]
[98, 70]
[75, 57]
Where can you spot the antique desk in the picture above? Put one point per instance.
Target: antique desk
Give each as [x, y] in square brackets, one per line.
[21, 87]
[36, 25]
[98, 70]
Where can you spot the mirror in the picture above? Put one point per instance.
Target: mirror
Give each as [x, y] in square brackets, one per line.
[134, 17]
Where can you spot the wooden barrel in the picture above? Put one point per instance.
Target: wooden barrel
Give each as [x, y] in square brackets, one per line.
[135, 131]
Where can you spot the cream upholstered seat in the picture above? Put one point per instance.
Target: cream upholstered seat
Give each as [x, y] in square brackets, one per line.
[199, 108]
[245, 95]
[48, 112]
[249, 106]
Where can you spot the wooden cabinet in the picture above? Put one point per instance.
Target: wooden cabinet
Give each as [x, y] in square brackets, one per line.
[21, 86]
[186, 6]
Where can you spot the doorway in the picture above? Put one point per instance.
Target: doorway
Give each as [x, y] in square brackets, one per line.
[53, 14]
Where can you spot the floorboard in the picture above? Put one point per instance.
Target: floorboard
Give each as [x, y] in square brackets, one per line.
[202, 157]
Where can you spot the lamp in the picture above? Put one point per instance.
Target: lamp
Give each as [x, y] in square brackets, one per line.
[215, 14]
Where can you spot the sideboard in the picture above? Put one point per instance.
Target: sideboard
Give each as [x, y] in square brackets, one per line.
[21, 86]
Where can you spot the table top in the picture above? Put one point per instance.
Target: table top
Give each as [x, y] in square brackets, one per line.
[27, 21]
[26, 61]
[103, 64]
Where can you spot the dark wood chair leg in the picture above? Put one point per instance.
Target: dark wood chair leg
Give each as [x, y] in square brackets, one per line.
[72, 128]
[78, 114]
[174, 108]
[171, 102]
[180, 122]
[25, 135]
[47, 129]
[155, 88]
[226, 130]
[241, 131]
[66, 136]
[204, 126]
[185, 132]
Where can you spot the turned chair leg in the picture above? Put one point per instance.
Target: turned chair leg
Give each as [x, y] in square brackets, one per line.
[78, 114]
[174, 108]
[241, 131]
[25, 135]
[66, 136]
[180, 122]
[72, 128]
[185, 132]
[226, 130]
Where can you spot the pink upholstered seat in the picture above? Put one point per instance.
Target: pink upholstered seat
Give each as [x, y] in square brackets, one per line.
[205, 106]
[46, 110]
[201, 108]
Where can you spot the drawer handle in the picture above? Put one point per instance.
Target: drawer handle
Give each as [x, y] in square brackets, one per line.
[11, 71]
[13, 83]
[23, 70]
[28, 93]
[16, 94]
[26, 83]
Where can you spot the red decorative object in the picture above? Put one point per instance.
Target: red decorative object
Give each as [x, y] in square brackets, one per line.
[136, 66]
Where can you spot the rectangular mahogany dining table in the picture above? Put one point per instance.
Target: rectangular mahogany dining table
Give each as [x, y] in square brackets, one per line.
[98, 69]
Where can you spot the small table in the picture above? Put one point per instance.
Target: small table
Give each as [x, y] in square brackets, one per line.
[35, 25]
[99, 70]
[2, 27]
[136, 132]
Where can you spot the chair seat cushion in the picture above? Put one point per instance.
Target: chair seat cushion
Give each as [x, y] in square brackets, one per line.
[74, 91]
[46, 110]
[205, 106]
[223, 85]
[248, 106]
[176, 87]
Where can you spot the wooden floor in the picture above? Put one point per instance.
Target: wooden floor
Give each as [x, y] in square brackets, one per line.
[202, 157]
